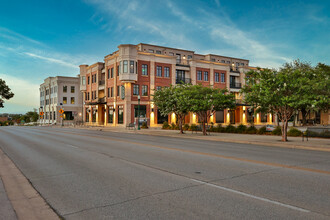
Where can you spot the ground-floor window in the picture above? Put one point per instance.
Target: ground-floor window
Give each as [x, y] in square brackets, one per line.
[143, 111]
[161, 119]
[54, 113]
[87, 115]
[219, 117]
[110, 114]
[263, 117]
[120, 115]
[68, 115]
[94, 115]
[232, 116]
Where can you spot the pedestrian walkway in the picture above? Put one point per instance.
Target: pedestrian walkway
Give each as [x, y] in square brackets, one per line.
[6, 210]
[321, 144]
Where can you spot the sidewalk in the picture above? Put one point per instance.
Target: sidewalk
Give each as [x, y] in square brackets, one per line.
[320, 144]
[6, 209]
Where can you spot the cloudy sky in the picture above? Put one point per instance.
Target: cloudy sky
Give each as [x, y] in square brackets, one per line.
[46, 38]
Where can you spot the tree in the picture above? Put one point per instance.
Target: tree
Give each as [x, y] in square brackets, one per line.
[205, 101]
[5, 92]
[33, 116]
[172, 100]
[284, 91]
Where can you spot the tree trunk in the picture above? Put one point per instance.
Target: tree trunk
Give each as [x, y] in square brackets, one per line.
[203, 124]
[180, 124]
[304, 116]
[285, 130]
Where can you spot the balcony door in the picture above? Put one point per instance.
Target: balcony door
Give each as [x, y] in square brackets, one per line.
[232, 80]
[180, 76]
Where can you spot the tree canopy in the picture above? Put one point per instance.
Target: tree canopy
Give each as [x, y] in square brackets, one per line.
[5, 92]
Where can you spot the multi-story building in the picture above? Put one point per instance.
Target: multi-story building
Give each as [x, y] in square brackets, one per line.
[111, 88]
[60, 93]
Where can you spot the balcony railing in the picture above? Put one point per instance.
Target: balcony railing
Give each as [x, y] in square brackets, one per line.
[101, 82]
[183, 81]
[234, 71]
[101, 100]
[182, 62]
[235, 85]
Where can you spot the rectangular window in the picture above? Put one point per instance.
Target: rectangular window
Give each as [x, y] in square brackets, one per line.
[88, 80]
[171, 53]
[131, 66]
[158, 52]
[54, 115]
[72, 89]
[144, 69]
[72, 100]
[142, 113]
[145, 90]
[47, 92]
[125, 67]
[219, 117]
[158, 88]
[65, 89]
[159, 71]
[135, 89]
[83, 81]
[118, 90]
[110, 114]
[222, 77]
[111, 92]
[111, 73]
[118, 70]
[108, 92]
[120, 115]
[189, 57]
[65, 100]
[199, 75]
[92, 95]
[206, 76]
[228, 61]
[150, 51]
[213, 59]
[216, 77]
[166, 72]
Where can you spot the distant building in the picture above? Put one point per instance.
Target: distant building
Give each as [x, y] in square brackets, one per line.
[60, 93]
[3, 119]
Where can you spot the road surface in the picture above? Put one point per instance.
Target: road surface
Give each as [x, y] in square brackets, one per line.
[86, 174]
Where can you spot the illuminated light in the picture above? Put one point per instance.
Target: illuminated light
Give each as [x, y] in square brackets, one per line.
[258, 118]
[270, 118]
[228, 118]
[152, 116]
[80, 114]
[152, 105]
[173, 118]
[194, 118]
[244, 108]
[244, 118]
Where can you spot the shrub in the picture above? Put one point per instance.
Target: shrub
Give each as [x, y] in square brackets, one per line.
[186, 127]
[277, 131]
[144, 125]
[251, 130]
[230, 129]
[294, 132]
[193, 127]
[241, 128]
[174, 126]
[325, 134]
[262, 130]
[219, 128]
[165, 125]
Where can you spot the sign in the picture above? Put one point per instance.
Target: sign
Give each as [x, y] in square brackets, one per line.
[61, 111]
[122, 92]
[41, 113]
[61, 116]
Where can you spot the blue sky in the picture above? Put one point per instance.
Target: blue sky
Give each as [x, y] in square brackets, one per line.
[48, 38]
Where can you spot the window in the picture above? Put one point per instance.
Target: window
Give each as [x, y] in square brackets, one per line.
[135, 89]
[212, 59]
[216, 77]
[125, 67]
[228, 61]
[145, 90]
[159, 71]
[88, 79]
[72, 89]
[72, 100]
[83, 81]
[120, 67]
[219, 116]
[117, 70]
[131, 66]
[118, 90]
[120, 115]
[54, 115]
[47, 102]
[65, 100]
[223, 61]
[65, 89]
[144, 69]
[158, 52]
[158, 88]
[171, 53]
[47, 91]
[150, 51]
[242, 64]
[111, 73]
[110, 114]
[206, 76]
[111, 92]
[92, 95]
[189, 57]
[166, 72]
[142, 112]
[108, 92]
[222, 77]
[199, 75]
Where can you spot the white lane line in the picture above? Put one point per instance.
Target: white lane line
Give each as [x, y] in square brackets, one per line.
[69, 145]
[252, 196]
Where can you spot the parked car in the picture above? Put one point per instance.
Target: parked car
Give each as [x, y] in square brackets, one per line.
[270, 128]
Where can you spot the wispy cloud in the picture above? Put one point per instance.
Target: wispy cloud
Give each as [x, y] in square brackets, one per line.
[51, 60]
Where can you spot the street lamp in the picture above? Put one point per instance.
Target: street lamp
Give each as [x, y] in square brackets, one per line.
[139, 112]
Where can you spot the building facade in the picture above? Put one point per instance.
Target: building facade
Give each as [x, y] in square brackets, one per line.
[111, 88]
[60, 93]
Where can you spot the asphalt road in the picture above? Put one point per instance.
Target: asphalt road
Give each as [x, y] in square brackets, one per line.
[86, 174]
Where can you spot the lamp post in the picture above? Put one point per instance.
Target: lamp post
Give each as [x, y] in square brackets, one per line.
[139, 112]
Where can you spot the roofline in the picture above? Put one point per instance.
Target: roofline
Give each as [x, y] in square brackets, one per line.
[225, 56]
[166, 47]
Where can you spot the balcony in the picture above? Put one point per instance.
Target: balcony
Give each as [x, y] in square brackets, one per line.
[235, 85]
[101, 82]
[183, 81]
[128, 77]
[182, 62]
[98, 101]
[234, 71]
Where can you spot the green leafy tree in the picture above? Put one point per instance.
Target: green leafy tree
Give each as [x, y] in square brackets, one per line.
[172, 100]
[33, 116]
[5, 92]
[205, 101]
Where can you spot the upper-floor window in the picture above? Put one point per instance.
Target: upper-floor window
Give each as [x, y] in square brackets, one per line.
[131, 66]
[108, 92]
[72, 100]
[65, 89]
[206, 76]
[120, 66]
[135, 89]
[189, 57]
[150, 51]
[145, 90]
[242, 64]
[158, 52]
[158, 88]
[171, 53]
[228, 61]
[118, 70]
[65, 100]
[111, 72]
[111, 92]
[144, 69]
[216, 77]
[199, 75]
[83, 81]
[118, 90]
[47, 91]
[72, 89]
[166, 72]
[159, 71]
[88, 80]
[125, 68]
[223, 61]
[213, 59]
[222, 77]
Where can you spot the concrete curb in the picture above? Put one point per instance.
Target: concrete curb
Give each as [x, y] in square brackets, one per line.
[26, 201]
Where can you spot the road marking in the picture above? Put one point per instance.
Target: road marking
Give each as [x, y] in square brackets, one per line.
[69, 145]
[203, 153]
[251, 196]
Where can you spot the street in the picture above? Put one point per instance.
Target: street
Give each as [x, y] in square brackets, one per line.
[85, 174]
